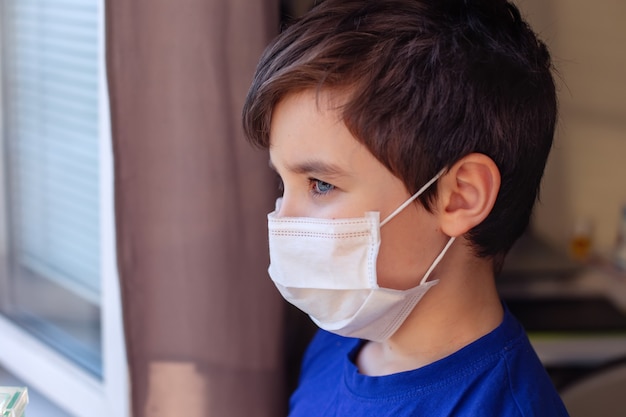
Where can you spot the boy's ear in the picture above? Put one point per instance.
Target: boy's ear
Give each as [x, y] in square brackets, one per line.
[467, 193]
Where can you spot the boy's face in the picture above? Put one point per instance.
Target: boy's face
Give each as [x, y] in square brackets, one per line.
[327, 173]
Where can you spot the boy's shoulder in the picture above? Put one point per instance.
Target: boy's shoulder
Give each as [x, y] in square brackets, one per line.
[498, 374]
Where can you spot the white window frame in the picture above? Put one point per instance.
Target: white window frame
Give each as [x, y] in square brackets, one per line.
[38, 365]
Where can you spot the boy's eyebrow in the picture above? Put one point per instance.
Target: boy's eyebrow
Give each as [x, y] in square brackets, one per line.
[315, 168]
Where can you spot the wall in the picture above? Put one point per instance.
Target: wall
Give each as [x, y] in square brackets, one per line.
[586, 174]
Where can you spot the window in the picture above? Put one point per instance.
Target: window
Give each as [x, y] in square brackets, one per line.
[59, 300]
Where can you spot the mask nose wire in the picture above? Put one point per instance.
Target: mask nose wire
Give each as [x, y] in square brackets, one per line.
[411, 199]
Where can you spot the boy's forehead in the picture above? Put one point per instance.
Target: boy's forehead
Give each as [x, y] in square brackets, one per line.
[300, 115]
[307, 134]
[326, 101]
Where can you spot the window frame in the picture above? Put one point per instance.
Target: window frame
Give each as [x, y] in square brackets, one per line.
[38, 365]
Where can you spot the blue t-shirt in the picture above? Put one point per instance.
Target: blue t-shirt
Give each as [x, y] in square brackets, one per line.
[497, 375]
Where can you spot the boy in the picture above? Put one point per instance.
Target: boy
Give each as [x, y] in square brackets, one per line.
[410, 137]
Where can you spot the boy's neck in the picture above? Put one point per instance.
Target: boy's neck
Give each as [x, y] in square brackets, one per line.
[460, 309]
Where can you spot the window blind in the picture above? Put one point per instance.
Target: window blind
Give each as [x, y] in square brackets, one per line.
[51, 114]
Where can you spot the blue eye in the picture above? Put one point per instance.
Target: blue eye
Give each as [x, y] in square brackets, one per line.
[320, 187]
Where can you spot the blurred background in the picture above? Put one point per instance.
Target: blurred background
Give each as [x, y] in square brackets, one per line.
[585, 182]
[119, 125]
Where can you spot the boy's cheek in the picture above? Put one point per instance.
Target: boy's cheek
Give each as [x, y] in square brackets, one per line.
[406, 252]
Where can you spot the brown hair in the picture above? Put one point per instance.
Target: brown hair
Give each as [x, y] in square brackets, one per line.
[428, 82]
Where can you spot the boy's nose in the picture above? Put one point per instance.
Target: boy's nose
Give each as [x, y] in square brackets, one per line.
[278, 206]
[287, 206]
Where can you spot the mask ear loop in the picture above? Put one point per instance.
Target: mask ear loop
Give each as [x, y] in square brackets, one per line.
[437, 260]
[411, 199]
[404, 205]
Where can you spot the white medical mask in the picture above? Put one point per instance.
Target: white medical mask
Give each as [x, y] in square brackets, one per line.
[327, 268]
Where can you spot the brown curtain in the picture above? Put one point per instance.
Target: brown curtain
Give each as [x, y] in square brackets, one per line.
[203, 322]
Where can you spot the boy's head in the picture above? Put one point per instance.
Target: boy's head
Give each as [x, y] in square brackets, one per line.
[427, 83]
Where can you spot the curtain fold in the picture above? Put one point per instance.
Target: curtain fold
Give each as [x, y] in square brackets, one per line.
[203, 323]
